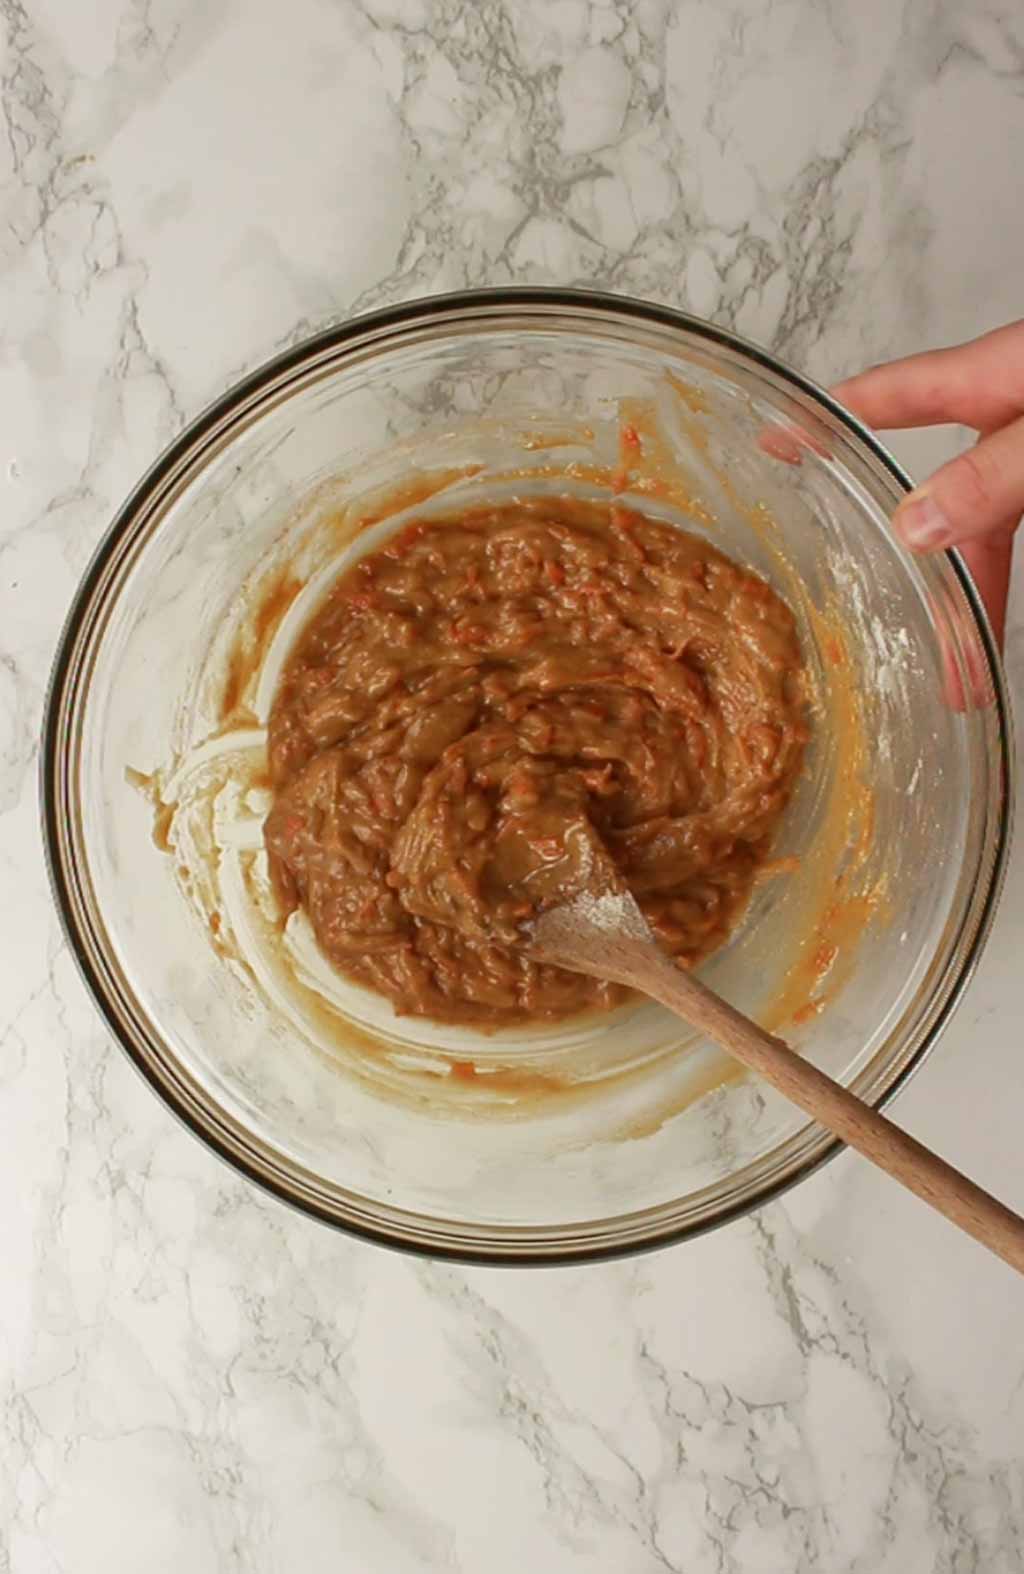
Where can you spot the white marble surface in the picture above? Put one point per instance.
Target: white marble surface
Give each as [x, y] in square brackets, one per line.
[190, 1376]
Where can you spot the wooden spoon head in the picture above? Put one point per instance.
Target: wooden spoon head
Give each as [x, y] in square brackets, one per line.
[598, 929]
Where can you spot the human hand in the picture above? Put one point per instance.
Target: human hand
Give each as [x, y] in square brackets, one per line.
[976, 500]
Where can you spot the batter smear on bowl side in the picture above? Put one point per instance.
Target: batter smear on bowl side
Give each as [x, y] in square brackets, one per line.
[470, 690]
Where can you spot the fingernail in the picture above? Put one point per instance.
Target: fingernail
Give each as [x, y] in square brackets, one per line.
[921, 524]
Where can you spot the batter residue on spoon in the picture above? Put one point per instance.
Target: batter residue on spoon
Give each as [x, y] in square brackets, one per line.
[471, 690]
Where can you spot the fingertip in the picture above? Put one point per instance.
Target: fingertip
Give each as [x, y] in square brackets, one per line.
[921, 522]
[789, 441]
[779, 443]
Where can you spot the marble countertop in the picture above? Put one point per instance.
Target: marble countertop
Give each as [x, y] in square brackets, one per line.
[191, 1376]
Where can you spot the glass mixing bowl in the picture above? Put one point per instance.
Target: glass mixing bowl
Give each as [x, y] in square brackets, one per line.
[606, 1135]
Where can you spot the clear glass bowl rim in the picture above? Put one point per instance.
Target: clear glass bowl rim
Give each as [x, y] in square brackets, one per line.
[531, 1246]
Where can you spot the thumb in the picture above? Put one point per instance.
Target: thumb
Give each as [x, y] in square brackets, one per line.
[971, 496]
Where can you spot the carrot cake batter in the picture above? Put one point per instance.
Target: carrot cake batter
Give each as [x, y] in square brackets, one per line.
[469, 690]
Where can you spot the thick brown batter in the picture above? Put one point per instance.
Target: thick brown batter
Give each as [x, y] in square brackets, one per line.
[470, 690]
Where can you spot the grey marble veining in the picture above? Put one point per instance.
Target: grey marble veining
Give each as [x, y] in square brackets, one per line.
[190, 1376]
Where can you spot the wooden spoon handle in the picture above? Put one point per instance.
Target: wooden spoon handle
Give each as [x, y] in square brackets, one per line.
[915, 1166]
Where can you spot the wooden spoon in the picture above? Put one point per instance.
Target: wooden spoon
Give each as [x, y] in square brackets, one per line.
[601, 931]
